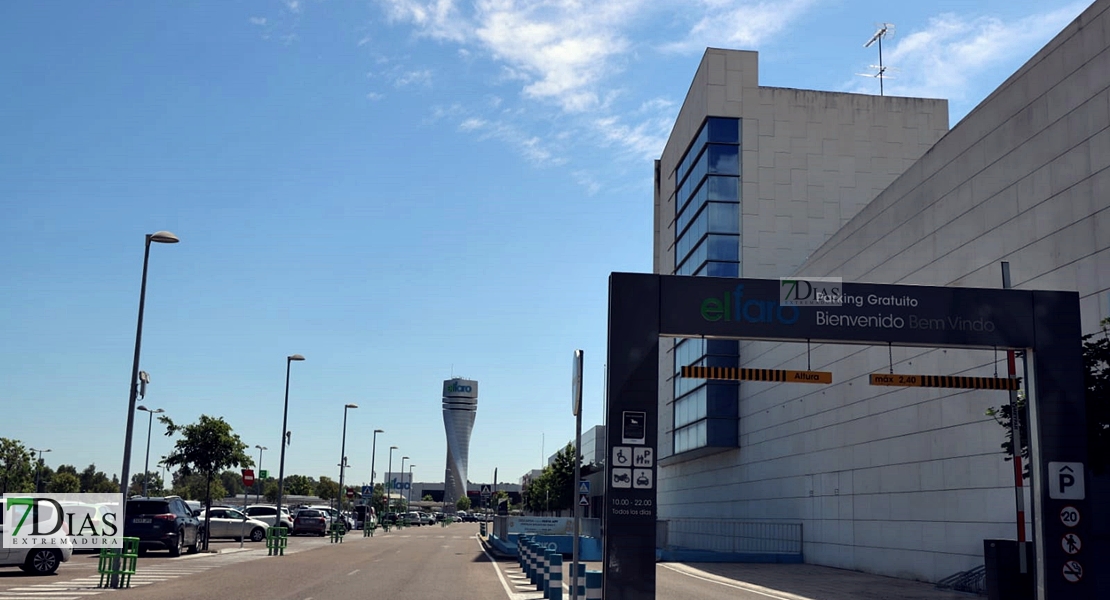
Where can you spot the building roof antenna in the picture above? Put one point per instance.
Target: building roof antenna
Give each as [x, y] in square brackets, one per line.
[883, 30]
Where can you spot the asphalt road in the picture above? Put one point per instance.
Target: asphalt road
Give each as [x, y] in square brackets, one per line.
[420, 563]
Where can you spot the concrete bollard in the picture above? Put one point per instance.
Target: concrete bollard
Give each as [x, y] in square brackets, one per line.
[541, 576]
[578, 579]
[532, 562]
[555, 588]
[545, 578]
[593, 585]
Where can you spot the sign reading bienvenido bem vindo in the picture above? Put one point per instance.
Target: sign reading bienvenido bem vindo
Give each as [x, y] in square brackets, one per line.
[644, 308]
[848, 312]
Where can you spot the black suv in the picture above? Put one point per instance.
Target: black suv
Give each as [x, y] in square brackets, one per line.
[162, 523]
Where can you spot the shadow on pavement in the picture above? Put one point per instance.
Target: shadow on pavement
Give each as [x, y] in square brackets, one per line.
[827, 583]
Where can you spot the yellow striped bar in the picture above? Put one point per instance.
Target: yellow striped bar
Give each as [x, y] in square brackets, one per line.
[777, 375]
[946, 381]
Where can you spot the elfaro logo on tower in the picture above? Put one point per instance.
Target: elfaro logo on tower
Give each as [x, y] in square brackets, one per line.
[732, 306]
[62, 520]
[457, 387]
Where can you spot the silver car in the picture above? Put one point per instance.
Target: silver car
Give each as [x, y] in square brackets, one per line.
[232, 523]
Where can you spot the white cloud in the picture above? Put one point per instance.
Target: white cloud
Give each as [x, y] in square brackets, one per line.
[472, 124]
[364, 41]
[644, 140]
[952, 52]
[258, 20]
[374, 96]
[293, 5]
[725, 24]
[439, 19]
[418, 77]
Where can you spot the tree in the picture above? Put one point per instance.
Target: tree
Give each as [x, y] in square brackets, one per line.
[270, 490]
[463, 503]
[15, 467]
[1096, 374]
[427, 498]
[232, 482]
[327, 489]
[554, 488]
[299, 485]
[377, 499]
[1096, 359]
[64, 483]
[205, 448]
[153, 484]
[96, 482]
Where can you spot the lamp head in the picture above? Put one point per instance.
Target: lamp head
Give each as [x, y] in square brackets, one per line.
[295, 357]
[379, 431]
[350, 406]
[163, 237]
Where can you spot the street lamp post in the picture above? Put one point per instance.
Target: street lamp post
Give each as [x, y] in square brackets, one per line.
[162, 463]
[258, 487]
[408, 500]
[162, 237]
[38, 468]
[284, 436]
[149, 424]
[389, 484]
[403, 459]
[373, 452]
[343, 456]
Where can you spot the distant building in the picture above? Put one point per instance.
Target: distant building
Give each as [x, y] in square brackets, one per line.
[460, 406]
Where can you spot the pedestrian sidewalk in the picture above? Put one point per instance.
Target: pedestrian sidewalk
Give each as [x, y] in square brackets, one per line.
[813, 582]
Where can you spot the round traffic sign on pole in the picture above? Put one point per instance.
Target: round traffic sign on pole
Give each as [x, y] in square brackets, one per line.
[248, 477]
[1069, 516]
[350, 493]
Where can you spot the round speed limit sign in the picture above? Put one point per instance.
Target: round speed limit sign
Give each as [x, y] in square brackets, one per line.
[1069, 516]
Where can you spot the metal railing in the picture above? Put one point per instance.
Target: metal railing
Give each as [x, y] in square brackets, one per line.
[730, 536]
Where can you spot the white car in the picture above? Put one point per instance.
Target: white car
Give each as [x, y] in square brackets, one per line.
[37, 561]
[231, 523]
[267, 514]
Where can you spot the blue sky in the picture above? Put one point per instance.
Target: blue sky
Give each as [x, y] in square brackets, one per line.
[400, 190]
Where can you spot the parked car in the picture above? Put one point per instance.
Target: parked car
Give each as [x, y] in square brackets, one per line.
[331, 513]
[231, 523]
[35, 560]
[268, 515]
[162, 523]
[310, 520]
[427, 519]
[413, 518]
[194, 506]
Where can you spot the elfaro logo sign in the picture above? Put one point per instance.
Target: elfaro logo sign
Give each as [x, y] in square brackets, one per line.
[460, 387]
[733, 306]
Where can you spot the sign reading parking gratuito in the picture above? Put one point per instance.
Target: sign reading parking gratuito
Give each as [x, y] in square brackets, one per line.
[78, 521]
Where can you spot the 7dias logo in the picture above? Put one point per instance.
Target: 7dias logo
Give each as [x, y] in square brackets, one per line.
[61, 520]
[811, 291]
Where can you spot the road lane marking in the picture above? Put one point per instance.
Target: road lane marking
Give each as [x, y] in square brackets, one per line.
[352, 572]
[501, 576]
[748, 587]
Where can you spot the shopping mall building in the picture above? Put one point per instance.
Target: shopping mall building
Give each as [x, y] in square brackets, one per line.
[763, 182]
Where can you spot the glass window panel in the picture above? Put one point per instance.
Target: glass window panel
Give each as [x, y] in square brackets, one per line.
[723, 130]
[723, 218]
[722, 269]
[723, 160]
[723, 188]
[723, 247]
[702, 428]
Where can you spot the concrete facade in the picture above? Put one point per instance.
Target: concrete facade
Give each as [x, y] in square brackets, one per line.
[905, 482]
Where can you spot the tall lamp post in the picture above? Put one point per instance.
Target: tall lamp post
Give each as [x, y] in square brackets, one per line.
[38, 467]
[161, 237]
[343, 456]
[403, 459]
[408, 501]
[373, 452]
[149, 424]
[389, 484]
[284, 435]
[258, 488]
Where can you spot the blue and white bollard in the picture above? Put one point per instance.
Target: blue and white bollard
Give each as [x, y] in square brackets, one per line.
[555, 587]
[541, 579]
[593, 585]
[533, 563]
[579, 580]
[546, 573]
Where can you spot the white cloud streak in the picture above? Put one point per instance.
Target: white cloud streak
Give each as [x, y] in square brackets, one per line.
[946, 57]
[743, 25]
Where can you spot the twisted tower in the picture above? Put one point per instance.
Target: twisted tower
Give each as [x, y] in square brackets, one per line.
[460, 405]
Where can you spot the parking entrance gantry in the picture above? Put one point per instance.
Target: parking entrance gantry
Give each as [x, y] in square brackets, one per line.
[1044, 324]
